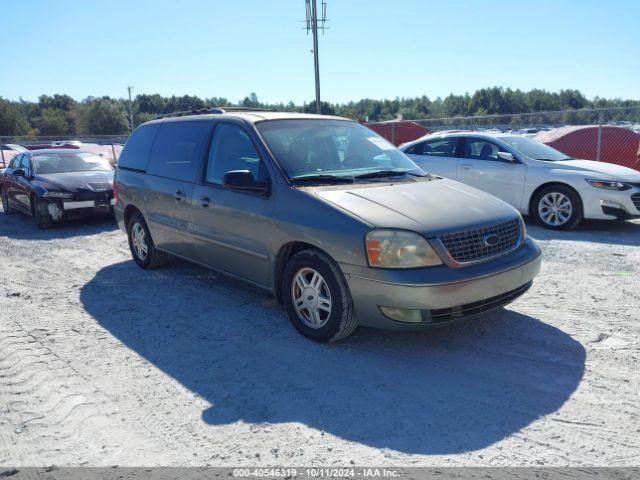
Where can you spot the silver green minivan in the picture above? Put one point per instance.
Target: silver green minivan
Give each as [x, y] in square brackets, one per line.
[330, 218]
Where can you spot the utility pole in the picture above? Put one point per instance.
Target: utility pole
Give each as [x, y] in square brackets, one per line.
[129, 88]
[312, 24]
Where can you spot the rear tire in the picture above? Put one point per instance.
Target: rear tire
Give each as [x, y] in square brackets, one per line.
[557, 207]
[6, 208]
[143, 250]
[317, 298]
[40, 213]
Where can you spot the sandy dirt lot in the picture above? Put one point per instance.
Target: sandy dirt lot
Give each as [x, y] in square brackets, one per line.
[102, 363]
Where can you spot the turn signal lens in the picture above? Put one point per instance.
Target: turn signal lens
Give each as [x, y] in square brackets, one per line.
[373, 251]
[399, 249]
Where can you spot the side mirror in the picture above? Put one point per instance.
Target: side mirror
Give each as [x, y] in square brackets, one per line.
[507, 157]
[243, 180]
[19, 172]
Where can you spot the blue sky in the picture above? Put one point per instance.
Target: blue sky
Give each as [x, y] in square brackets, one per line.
[375, 49]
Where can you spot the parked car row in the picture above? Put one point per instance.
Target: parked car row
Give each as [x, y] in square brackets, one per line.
[331, 219]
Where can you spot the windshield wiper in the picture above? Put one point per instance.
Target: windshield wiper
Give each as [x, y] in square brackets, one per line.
[320, 178]
[384, 173]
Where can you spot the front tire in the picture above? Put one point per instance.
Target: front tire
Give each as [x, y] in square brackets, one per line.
[40, 213]
[317, 298]
[143, 250]
[557, 208]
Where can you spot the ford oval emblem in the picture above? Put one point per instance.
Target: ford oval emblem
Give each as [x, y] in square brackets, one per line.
[491, 239]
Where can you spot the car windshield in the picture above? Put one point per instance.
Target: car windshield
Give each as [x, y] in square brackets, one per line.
[333, 150]
[70, 162]
[534, 149]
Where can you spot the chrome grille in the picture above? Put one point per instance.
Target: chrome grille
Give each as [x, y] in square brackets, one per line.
[473, 245]
[636, 200]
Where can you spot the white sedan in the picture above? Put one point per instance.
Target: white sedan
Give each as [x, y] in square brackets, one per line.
[538, 180]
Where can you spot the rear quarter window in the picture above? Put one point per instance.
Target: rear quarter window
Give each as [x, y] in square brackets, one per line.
[135, 154]
[178, 149]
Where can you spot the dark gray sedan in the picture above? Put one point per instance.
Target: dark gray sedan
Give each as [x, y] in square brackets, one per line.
[333, 220]
[51, 185]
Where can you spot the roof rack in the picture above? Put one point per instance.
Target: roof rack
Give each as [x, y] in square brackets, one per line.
[210, 110]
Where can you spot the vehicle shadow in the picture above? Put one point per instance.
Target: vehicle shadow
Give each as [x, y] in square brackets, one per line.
[22, 227]
[448, 390]
[599, 231]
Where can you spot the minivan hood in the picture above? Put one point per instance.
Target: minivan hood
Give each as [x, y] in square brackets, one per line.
[95, 181]
[615, 172]
[428, 207]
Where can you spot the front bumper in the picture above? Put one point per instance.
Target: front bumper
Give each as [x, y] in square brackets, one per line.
[77, 209]
[441, 294]
[599, 204]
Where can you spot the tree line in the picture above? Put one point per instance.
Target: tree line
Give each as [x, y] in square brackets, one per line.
[62, 115]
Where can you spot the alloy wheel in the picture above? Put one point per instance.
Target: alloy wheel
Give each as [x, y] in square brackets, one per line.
[311, 298]
[555, 209]
[139, 241]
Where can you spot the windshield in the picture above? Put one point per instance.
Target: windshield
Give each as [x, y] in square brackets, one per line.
[70, 162]
[534, 149]
[328, 149]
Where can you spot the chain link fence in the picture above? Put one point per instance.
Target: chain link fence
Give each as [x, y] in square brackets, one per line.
[603, 134]
[107, 146]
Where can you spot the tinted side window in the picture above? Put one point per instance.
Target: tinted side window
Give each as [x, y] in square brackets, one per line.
[442, 147]
[177, 150]
[231, 149]
[476, 149]
[136, 152]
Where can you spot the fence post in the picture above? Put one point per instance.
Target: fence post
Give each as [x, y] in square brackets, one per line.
[393, 133]
[4, 164]
[113, 152]
[599, 147]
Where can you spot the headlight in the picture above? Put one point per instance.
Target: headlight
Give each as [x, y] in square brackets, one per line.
[57, 195]
[608, 185]
[399, 249]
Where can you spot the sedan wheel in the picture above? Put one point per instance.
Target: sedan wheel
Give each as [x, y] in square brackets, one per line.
[557, 207]
[40, 213]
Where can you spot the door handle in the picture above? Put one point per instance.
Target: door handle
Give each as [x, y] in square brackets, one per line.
[466, 166]
[179, 196]
[205, 202]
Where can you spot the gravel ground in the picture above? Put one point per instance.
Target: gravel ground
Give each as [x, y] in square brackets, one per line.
[102, 363]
